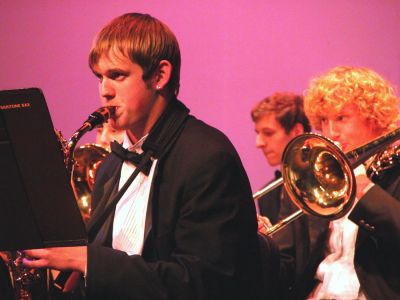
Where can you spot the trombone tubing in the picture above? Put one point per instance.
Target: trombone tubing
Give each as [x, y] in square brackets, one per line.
[273, 185]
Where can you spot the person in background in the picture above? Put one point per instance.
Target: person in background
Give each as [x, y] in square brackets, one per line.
[359, 259]
[277, 120]
[106, 134]
[186, 227]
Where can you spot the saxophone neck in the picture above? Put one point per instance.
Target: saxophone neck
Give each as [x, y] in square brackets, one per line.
[73, 141]
[95, 119]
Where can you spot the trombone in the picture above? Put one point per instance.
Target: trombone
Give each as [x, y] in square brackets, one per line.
[319, 177]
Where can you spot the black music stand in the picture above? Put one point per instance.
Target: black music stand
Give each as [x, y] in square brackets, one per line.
[37, 205]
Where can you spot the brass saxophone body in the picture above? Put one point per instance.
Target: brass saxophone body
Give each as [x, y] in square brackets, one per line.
[83, 162]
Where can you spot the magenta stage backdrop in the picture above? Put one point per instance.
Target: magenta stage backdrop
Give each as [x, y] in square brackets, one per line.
[234, 53]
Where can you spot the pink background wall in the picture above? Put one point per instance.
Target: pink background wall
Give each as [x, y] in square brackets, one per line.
[234, 53]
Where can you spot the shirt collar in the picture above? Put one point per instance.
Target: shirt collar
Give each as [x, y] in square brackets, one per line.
[137, 147]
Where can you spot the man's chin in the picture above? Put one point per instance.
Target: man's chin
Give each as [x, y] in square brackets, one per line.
[273, 162]
[116, 125]
[112, 123]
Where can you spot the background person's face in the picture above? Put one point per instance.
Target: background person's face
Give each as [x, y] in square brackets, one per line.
[106, 134]
[271, 138]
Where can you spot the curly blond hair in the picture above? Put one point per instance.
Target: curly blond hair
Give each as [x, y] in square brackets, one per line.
[341, 86]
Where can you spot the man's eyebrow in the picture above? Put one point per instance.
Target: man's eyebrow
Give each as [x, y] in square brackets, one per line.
[97, 74]
[111, 71]
[116, 70]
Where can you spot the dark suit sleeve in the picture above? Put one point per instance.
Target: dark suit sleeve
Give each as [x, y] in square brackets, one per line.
[206, 248]
[378, 213]
[285, 238]
[269, 205]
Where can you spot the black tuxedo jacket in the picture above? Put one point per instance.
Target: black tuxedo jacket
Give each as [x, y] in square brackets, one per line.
[201, 231]
[377, 259]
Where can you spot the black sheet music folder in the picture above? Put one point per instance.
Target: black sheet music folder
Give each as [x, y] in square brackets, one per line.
[37, 205]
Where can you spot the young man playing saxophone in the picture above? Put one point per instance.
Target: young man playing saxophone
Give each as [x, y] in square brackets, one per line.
[186, 227]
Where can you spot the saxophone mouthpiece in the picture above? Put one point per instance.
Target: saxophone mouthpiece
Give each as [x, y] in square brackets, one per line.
[99, 116]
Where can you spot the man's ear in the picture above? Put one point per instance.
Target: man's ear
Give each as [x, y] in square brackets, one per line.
[162, 75]
[297, 129]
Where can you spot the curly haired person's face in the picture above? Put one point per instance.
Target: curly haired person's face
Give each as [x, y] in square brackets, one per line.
[348, 128]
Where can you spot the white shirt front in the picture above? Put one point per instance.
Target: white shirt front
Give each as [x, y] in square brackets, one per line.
[336, 273]
[130, 212]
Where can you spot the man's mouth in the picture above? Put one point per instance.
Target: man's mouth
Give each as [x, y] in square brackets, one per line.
[116, 112]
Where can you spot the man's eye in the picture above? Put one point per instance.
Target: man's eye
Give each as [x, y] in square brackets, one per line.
[268, 133]
[341, 118]
[117, 76]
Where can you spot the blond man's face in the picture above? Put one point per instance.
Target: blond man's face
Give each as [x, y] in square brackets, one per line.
[348, 128]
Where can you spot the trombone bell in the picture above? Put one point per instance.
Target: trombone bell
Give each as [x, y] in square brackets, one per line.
[318, 176]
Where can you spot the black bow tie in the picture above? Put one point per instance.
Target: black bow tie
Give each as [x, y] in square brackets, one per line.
[133, 157]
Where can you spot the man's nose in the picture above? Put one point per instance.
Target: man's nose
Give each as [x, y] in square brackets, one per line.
[107, 92]
[260, 142]
[332, 130]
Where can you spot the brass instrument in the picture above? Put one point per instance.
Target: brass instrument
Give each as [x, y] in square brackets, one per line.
[88, 158]
[95, 119]
[82, 163]
[384, 162]
[24, 279]
[319, 177]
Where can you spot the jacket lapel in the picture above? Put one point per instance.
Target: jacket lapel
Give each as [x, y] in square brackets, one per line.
[160, 140]
[110, 187]
[150, 208]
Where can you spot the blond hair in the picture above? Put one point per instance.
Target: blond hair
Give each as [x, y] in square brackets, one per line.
[144, 40]
[373, 96]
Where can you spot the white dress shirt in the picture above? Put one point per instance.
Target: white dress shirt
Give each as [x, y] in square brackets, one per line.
[130, 212]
